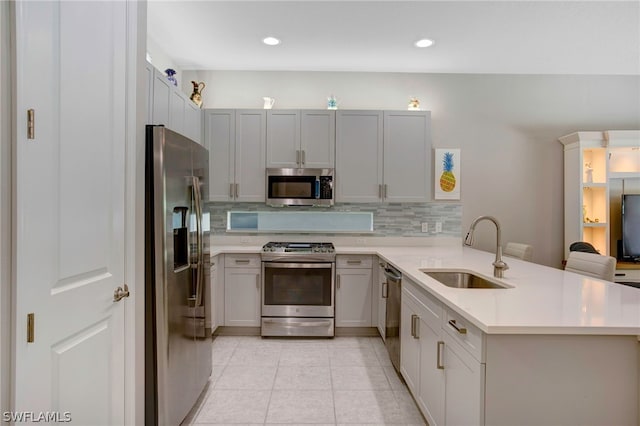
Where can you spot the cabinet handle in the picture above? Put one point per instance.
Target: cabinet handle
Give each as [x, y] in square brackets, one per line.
[297, 156]
[354, 262]
[379, 191]
[242, 261]
[385, 191]
[338, 281]
[304, 160]
[230, 190]
[440, 348]
[460, 330]
[415, 326]
[237, 191]
[385, 290]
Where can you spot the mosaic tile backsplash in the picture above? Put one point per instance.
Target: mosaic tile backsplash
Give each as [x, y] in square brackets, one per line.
[389, 219]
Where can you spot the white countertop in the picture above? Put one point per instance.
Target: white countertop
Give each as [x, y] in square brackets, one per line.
[542, 300]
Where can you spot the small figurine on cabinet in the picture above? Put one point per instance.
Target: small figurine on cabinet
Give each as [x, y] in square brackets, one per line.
[170, 76]
[196, 96]
[414, 104]
[588, 171]
[332, 102]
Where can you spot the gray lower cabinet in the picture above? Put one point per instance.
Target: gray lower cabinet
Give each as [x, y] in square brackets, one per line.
[395, 146]
[242, 295]
[237, 143]
[380, 299]
[217, 291]
[353, 299]
[459, 375]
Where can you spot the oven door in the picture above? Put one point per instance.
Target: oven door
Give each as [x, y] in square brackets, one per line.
[298, 289]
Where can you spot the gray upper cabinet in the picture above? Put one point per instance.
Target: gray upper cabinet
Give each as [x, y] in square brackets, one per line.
[169, 106]
[383, 156]
[407, 156]
[359, 156]
[236, 143]
[301, 138]
[161, 99]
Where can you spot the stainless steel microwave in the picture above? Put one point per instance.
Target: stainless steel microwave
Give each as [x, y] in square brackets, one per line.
[299, 187]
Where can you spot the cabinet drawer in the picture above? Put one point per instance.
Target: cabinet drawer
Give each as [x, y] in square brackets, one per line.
[469, 336]
[356, 261]
[242, 261]
[431, 309]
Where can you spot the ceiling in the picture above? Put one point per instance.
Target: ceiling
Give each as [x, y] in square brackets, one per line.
[512, 37]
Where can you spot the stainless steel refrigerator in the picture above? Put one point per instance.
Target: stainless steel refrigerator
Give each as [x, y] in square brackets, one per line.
[177, 311]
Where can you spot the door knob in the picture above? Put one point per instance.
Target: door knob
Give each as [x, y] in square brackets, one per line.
[120, 293]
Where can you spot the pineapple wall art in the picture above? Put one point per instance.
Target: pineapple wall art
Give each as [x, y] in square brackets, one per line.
[447, 174]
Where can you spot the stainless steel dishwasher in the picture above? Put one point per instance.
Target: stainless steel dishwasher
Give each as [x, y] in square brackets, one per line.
[391, 290]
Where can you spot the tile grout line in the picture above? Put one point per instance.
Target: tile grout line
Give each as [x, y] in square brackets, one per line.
[273, 385]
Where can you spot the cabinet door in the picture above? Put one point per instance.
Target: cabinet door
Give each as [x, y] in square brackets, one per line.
[283, 139]
[409, 346]
[220, 136]
[407, 156]
[217, 293]
[431, 395]
[177, 105]
[318, 138]
[353, 298]
[242, 297]
[161, 98]
[358, 156]
[250, 149]
[148, 76]
[193, 121]
[382, 301]
[464, 384]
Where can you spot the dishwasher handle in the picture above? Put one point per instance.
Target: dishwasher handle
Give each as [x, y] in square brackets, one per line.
[392, 274]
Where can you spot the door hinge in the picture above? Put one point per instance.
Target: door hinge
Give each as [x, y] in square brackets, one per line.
[31, 123]
[31, 327]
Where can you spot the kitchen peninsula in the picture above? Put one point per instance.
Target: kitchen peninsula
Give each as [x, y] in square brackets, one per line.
[552, 348]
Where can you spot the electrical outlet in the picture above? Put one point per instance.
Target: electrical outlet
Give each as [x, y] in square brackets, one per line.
[244, 240]
[425, 227]
[360, 241]
[438, 227]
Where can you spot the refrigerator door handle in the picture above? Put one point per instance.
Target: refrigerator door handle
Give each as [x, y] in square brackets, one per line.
[199, 239]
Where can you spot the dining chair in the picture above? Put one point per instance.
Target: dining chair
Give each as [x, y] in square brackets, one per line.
[518, 250]
[591, 264]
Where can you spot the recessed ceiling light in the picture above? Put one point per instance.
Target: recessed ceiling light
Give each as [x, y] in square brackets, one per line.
[271, 41]
[425, 42]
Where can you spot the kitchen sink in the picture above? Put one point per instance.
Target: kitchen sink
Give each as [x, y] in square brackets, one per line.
[463, 279]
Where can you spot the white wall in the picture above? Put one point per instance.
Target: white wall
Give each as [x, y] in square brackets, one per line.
[161, 60]
[5, 204]
[506, 125]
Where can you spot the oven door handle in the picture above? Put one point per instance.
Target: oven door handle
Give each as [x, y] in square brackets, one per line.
[298, 323]
[283, 265]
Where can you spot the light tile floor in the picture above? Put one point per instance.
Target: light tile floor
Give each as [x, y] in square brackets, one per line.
[339, 381]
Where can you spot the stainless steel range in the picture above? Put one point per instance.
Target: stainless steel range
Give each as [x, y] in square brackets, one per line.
[298, 289]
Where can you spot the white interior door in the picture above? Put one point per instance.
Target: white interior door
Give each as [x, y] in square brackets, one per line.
[69, 216]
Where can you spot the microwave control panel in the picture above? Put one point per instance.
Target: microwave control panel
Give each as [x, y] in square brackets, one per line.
[326, 187]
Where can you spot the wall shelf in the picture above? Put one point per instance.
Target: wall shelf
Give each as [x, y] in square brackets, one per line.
[591, 161]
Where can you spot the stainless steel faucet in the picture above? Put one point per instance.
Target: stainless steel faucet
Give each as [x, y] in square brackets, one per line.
[499, 266]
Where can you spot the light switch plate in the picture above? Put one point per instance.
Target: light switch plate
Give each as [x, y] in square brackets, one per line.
[438, 227]
[425, 227]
